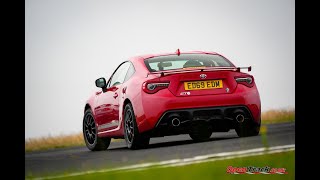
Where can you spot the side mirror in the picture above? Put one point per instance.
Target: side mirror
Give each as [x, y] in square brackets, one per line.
[101, 83]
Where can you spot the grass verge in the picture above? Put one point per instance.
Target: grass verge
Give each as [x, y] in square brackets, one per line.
[53, 142]
[278, 116]
[207, 170]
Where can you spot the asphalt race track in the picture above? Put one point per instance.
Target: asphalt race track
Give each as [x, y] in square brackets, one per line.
[164, 148]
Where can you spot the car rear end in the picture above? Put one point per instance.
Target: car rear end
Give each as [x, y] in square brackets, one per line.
[193, 90]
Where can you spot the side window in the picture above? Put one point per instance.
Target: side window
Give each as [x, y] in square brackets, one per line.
[120, 74]
[130, 72]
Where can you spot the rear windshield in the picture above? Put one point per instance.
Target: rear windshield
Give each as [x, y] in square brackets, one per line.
[161, 63]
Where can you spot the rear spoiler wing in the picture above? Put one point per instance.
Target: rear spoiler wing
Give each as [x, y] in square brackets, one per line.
[177, 71]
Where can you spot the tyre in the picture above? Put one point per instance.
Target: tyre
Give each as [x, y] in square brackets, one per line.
[134, 139]
[90, 134]
[200, 133]
[246, 129]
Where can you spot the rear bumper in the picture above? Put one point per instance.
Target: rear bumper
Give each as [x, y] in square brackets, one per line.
[217, 119]
[213, 108]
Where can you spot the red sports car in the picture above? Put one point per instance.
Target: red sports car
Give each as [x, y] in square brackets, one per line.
[193, 93]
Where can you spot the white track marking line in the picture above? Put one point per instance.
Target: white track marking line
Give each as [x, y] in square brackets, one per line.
[186, 161]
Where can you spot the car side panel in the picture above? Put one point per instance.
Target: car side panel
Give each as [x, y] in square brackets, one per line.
[131, 90]
[107, 109]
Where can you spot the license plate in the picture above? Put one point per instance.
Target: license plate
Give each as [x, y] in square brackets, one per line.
[197, 85]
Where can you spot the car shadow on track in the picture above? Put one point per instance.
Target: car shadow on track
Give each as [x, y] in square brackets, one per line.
[174, 143]
[184, 142]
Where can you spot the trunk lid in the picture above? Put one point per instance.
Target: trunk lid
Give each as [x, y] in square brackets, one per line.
[201, 83]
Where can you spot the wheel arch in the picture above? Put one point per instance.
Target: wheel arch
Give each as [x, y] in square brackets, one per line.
[125, 102]
[87, 106]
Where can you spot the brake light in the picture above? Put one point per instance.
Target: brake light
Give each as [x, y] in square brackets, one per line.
[245, 80]
[153, 87]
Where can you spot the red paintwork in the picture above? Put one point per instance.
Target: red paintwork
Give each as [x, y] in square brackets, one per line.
[148, 108]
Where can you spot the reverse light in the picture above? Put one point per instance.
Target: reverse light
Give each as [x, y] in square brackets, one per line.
[247, 81]
[153, 87]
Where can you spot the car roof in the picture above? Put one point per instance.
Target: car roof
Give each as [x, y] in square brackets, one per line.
[147, 56]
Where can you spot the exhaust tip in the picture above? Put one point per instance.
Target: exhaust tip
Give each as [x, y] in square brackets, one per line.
[175, 122]
[240, 118]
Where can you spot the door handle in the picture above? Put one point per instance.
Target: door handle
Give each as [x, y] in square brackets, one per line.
[124, 90]
[115, 95]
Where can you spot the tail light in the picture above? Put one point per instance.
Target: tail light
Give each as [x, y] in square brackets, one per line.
[153, 87]
[245, 80]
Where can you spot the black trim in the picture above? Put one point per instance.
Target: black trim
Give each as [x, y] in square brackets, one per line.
[192, 110]
[216, 119]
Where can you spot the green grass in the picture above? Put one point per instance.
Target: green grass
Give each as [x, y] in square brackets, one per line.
[207, 170]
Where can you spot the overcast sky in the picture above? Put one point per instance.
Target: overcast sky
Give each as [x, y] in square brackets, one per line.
[71, 43]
